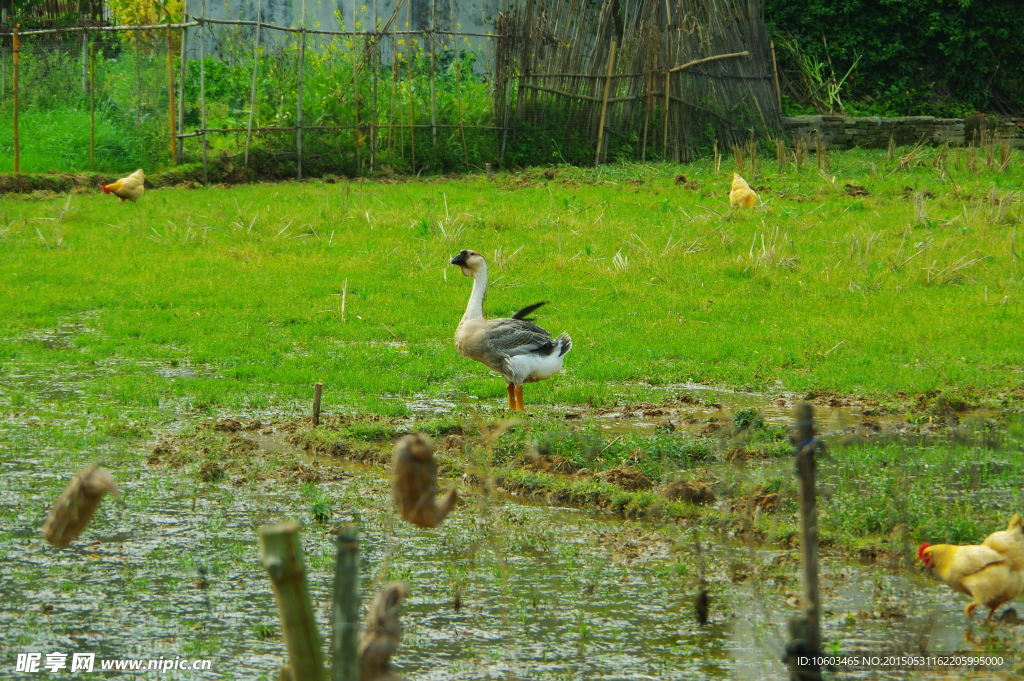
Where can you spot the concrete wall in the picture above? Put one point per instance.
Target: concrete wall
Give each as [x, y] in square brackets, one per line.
[338, 15]
[844, 132]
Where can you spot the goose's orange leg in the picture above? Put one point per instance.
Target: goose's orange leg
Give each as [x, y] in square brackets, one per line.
[519, 398]
[511, 397]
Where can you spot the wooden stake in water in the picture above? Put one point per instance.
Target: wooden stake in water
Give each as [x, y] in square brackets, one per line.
[806, 447]
[17, 140]
[318, 391]
[281, 556]
[346, 607]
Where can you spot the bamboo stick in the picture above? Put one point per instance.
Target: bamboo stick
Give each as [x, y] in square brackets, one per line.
[255, 70]
[433, 73]
[170, 96]
[698, 62]
[17, 61]
[138, 87]
[235, 22]
[202, 92]
[375, 57]
[412, 129]
[281, 556]
[664, 124]
[298, 97]
[182, 76]
[648, 86]
[604, 101]
[775, 73]
[355, 99]
[85, 60]
[92, 106]
[462, 125]
[345, 666]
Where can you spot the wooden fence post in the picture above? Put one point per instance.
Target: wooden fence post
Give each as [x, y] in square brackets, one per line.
[345, 666]
[604, 101]
[281, 556]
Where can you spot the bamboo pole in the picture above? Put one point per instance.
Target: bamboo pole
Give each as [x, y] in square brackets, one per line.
[202, 92]
[775, 73]
[92, 106]
[355, 101]
[17, 139]
[255, 71]
[85, 59]
[462, 124]
[170, 96]
[298, 104]
[182, 75]
[664, 123]
[412, 129]
[698, 62]
[281, 556]
[649, 85]
[604, 101]
[374, 63]
[433, 73]
[345, 666]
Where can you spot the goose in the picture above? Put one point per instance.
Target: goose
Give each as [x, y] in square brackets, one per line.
[516, 348]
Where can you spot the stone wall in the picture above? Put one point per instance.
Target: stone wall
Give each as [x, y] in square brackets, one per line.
[843, 132]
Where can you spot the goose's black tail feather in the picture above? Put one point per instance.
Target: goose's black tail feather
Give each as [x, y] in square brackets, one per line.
[527, 310]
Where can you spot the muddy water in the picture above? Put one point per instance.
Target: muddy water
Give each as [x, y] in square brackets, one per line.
[544, 593]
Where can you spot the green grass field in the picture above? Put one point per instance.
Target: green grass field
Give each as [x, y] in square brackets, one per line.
[232, 297]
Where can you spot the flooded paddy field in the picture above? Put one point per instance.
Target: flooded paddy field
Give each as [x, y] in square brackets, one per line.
[514, 584]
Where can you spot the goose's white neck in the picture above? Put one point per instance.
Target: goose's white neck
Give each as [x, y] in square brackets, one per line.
[475, 308]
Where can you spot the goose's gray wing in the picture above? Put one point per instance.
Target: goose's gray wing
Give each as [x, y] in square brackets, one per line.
[519, 337]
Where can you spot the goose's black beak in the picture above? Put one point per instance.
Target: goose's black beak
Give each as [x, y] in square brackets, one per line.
[460, 259]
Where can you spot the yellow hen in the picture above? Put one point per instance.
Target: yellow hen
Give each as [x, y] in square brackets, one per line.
[130, 187]
[742, 195]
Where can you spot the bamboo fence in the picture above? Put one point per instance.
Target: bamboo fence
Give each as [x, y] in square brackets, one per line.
[572, 82]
